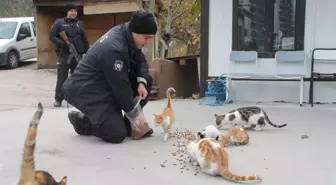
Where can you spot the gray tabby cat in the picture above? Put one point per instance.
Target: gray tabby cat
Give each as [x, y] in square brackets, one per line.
[245, 117]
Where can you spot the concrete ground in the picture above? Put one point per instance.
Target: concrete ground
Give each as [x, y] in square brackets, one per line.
[279, 156]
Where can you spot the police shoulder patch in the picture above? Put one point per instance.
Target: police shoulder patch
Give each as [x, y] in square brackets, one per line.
[118, 65]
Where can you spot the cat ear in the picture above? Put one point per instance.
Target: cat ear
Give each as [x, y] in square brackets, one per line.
[64, 181]
[216, 115]
[217, 138]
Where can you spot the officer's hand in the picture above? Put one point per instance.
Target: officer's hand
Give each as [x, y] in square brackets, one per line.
[142, 91]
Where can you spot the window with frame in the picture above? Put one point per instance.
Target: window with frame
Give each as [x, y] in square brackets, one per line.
[34, 27]
[25, 29]
[267, 26]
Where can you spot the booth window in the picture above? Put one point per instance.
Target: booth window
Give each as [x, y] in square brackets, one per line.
[267, 26]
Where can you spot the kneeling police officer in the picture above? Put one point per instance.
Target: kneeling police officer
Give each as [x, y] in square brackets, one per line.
[113, 72]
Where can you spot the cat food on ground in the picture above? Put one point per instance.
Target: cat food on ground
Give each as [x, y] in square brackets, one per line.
[183, 137]
[304, 137]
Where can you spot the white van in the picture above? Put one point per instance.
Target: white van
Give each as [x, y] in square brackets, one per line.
[17, 40]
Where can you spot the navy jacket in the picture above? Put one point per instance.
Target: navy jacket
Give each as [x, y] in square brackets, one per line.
[101, 82]
[75, 32]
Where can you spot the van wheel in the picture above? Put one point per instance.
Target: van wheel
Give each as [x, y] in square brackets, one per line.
[12, 60]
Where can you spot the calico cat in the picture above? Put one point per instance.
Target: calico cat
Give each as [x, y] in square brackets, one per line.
[167, 118]
[236, 136]
[28, 174]
[213, 160]
[245, 117]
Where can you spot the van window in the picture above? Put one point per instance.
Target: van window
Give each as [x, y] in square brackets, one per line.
[25, 29]
[7, 29]
[34, 27]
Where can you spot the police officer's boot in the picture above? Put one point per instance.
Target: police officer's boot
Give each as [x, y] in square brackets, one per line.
[80, 123]
[57, 104]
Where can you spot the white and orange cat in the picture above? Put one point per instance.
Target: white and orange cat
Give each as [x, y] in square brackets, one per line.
[236, 136]
[167, 118]
[214, 160]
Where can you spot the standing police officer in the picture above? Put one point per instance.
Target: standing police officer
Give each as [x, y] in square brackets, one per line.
[113, 72]
[74, 30]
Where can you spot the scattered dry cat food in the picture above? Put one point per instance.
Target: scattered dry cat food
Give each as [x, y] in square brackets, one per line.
[184, 136]
[304, 137]
[163, 165]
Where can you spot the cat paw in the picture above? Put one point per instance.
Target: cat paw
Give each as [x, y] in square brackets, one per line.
[165, 138]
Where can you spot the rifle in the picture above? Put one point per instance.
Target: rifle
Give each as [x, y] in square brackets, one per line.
[73, 51]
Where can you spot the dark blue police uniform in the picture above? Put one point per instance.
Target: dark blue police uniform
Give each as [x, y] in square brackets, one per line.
[74, 30]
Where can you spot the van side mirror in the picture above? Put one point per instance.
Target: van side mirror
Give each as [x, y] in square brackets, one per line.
[21, 36]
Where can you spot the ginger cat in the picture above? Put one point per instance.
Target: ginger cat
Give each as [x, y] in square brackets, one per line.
[236, 136]
[167, 118]
[213, 160]
[28, 174]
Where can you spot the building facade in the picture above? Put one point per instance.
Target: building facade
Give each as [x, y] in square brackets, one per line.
[267, 26]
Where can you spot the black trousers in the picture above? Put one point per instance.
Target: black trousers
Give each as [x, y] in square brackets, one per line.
[116, 127]
[62, 73]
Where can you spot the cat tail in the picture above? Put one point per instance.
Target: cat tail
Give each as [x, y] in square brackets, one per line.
[168, 96]
[28, 162]
[236, 178]
[272, 124]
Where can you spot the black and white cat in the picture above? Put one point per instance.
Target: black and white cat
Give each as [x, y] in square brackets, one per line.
[209, 131]
[246, 118]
